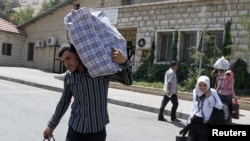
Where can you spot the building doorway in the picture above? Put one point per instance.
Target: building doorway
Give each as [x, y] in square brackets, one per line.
[58, 66]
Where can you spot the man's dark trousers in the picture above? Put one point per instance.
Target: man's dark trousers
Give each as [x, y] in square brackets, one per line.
[74, 136]
[174, 101]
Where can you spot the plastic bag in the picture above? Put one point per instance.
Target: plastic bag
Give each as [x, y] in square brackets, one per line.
[222, 63]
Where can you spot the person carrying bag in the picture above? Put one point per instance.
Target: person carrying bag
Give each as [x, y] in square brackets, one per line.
[225, 90]
[205, 99]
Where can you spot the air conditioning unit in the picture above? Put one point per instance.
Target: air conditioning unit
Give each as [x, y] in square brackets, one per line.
[144, 43]
[40, 43]
[51, 41]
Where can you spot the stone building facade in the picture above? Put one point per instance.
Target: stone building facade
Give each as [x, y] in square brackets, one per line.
[12, 41]
[13, 56]
[158, 21]
[143, 22]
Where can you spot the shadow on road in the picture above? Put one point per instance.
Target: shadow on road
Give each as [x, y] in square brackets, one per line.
[177, 124]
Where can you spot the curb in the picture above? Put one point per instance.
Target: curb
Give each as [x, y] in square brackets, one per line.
[112, 101]
[32, 84]
[244, 105]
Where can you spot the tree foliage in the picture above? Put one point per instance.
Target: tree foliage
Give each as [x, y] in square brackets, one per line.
[6, 8]
[174, 46]
[48, 4]
[211, 51]
[241, 74]
[227, 40]
[245, 21]
[22, 16]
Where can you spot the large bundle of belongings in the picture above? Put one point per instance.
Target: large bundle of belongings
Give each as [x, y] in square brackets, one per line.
[222, 64]
[94, 36]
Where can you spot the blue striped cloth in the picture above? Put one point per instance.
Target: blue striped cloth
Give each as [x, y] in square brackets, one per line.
[94, 36]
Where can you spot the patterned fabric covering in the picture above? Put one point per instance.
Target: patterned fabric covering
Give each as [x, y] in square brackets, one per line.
[94, 37]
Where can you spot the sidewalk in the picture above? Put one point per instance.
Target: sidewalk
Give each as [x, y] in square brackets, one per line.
[131, 99]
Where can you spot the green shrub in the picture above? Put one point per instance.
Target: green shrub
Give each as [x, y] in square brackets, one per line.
[241, 74]
[189, 83]
[144, 72]
[227, 40]
[150, 72]
[182, 72]
[243, 92]
[174, 46]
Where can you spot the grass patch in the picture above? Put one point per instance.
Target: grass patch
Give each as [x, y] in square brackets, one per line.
[159, 85]
[147, 84]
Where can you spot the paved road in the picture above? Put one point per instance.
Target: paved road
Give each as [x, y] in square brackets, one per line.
[25, 110]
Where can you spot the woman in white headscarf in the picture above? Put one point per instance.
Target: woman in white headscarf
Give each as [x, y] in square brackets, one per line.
[204, 100]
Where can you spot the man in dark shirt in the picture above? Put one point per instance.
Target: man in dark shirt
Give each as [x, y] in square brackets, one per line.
[89, 114]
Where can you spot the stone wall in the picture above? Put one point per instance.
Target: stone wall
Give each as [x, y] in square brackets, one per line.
[51, 25]
[188, 15]
[148, 19]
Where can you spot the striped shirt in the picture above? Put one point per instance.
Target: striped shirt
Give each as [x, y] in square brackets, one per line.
[89, 109]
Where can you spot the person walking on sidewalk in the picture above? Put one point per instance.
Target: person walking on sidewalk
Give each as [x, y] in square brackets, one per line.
[89, 114]
[170, 92]
[204, 100]
[225, 89]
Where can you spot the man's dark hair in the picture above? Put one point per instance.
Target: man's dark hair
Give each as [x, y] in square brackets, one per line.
[173, 63]
[66, 47]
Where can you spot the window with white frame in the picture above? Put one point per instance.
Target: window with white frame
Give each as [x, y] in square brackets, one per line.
[164, 47]
[187, 45]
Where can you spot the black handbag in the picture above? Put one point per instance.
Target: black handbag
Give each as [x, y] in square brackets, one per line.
[183, 133]
[49, 139]
[219, 116]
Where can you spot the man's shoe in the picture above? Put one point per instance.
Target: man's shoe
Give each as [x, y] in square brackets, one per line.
[161, 118]
[176, 120]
